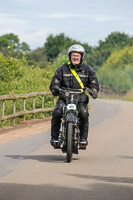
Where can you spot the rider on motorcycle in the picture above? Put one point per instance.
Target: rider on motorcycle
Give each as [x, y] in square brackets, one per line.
[64, 77]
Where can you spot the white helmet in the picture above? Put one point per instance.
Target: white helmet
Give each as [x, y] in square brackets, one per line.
[77, 48]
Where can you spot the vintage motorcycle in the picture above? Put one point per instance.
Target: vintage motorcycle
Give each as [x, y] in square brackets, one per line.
[69, 135]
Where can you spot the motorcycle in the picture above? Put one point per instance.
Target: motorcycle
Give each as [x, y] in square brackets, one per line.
[69, 134]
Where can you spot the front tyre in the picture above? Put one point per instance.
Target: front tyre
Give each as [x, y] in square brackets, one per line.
[69, 141]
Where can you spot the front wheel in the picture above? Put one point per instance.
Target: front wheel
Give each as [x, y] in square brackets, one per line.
[69, 141]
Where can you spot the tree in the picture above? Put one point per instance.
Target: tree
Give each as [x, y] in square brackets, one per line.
[115, 40]
[24, 47]
[117, 71]
[37, 57]
[17, 77]
[115, 79]
[55, 45]
[10, 45]
[96, 58]
[119, 59]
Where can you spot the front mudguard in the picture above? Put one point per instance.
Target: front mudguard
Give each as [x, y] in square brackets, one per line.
[70, 118]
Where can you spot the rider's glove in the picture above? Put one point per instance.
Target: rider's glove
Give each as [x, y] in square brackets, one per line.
[93, 93]
[56, 90]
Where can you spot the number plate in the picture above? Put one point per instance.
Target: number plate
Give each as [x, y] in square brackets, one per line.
[71, 106]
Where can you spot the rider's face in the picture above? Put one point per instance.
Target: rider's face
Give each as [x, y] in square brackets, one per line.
[75, 58]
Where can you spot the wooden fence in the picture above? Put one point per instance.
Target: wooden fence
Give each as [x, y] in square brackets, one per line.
[104, 91]
[15, 114]
[109, 91]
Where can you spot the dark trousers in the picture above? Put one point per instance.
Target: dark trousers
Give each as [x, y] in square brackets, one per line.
[57, 115]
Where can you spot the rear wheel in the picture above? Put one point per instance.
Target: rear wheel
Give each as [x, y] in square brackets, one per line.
[69, 141]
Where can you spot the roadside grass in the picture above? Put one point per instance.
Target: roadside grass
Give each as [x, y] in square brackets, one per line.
[128, 96]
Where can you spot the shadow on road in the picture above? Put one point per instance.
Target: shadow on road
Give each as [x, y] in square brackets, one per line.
[11, 191]
[108, 179]
[41, 158]
[125, 157]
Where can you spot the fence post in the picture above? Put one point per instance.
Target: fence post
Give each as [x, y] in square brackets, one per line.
[14, 110]
[33, 107]
[42, 101]
[2, 114]
[24, 107]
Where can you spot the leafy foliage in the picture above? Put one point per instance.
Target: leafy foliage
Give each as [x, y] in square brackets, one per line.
[17, 77]
[55, 44]
[61, 59]
[119, 59]
[115, 79]
[37, 58]
[25, 71]
[117, 71]
[10, 45]
[115, 40]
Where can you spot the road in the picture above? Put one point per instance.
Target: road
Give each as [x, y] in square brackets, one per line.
[30, 169]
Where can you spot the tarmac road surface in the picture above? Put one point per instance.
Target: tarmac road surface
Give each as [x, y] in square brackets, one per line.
[30, 169]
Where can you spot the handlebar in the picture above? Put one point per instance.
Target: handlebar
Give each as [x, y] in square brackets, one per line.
[72, 90]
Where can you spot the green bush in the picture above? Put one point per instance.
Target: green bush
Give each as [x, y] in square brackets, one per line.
[16, 77]
[116, 79]
[117, 71]
[119, 59]
[61, 59]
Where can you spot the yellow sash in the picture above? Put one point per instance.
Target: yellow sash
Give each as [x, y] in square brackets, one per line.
[76, 76]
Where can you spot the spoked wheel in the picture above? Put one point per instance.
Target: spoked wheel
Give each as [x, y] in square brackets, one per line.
[69, 141]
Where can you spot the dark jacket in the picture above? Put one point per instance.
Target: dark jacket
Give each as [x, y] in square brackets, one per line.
[63, 77]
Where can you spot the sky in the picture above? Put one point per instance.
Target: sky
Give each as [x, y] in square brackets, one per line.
[87, 21]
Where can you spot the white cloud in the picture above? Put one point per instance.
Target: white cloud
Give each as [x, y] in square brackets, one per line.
[12, 21]
[33, 39]
[98, 18]
[61, 16]
[36, 38]
[26, 32]
[104, 18]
